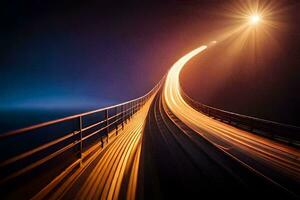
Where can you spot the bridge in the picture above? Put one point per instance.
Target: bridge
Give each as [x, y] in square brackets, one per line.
[163, 145]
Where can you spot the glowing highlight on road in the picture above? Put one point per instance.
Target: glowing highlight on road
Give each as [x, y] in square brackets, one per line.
[172, 87]
[224, 136]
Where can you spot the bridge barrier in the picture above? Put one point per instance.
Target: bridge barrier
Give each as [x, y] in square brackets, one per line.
[39, 153]
[277, 131]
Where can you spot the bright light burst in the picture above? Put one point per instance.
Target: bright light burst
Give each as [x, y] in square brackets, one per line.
[252, 35]
[254, 19]
[253, 26]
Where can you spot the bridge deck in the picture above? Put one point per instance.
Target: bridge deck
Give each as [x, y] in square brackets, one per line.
[111, 172]
[177, 162]
[170, 150]
[157, 156]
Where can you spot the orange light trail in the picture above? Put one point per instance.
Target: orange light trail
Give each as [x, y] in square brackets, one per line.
[108, 167]
[225, 137]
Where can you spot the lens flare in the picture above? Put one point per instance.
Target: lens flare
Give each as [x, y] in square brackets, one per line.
[254, 19]
[254, 28]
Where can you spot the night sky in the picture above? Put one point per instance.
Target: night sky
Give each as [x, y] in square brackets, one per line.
[87, 54]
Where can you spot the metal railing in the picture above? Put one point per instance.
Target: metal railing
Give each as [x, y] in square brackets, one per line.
[273, 130]
[49, 148]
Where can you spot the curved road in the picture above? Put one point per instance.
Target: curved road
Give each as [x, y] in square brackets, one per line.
[277, 164]
[169, 150]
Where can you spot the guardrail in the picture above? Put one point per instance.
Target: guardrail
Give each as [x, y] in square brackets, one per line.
[277, 131]
[47, 149]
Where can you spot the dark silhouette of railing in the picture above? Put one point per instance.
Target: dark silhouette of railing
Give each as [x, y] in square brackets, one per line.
[273, 130]
[47, 149]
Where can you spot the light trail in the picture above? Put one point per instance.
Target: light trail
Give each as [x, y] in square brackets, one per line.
[166, 132]
[247, 148]
[102, 176]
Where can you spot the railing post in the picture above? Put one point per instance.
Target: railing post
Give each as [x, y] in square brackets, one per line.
[80, 145]
[123, 116]
[132, 107]
[107, 123]
[126, 112]
[130, 110]
[116, 120]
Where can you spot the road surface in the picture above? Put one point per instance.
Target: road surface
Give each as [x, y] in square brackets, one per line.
[170, 150]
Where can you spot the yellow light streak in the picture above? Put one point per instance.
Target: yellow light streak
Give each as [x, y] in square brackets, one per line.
[218, 133]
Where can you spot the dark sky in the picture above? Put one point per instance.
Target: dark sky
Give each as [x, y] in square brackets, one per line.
[90, 53]
[87, 54]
